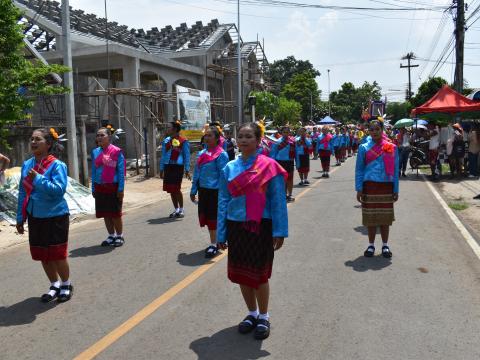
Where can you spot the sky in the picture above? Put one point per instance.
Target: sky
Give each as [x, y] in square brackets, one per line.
[355, 45]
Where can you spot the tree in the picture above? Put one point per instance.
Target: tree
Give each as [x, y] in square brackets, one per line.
[288, 112]
[18, 75]
[282, 71]
[398, 110]
[348, 103]
[428, 88]
[266, 104]
[303, 89]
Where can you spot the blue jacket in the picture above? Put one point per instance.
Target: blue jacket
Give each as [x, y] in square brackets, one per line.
[183, 158]
[97, 172]
[345, 140]
[207, 175]
[336, 140]
[374, 171]
[234, 209]
[47, 197]
[320, 145]
[280, 154]
[299, 149]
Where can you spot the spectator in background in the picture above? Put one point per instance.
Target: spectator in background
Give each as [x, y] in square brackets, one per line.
[473, 151]
[404, 140]
[231, 145]
[4, 162]
[433, 145]
[457, 153]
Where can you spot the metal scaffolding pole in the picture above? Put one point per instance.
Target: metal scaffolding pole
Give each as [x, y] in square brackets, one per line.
[239, 68]
[69, 98]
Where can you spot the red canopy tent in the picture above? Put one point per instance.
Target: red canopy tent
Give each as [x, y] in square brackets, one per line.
[447, 101]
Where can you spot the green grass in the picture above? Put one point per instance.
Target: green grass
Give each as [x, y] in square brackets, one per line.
[459, 206]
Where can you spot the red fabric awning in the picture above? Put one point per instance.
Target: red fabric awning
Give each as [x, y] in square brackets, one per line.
[448, 101]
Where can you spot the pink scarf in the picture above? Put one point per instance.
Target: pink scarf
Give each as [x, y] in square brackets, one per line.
[207, 156]
[253, 184]
[325, 140]
[108, 158]
[27, 182]
[387, 149]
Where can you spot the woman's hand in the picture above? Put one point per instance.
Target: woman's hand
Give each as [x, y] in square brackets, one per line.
[187, 175]
[32, 174]
[277, 243]
[359, 196]
[222, 245]
[161, 174]
[193, 198]
[395, 197]
[20, 229]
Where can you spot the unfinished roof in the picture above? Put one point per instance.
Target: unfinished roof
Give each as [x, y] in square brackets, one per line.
[157, 41]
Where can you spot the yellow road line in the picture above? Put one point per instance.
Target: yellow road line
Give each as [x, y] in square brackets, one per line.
[148, 310]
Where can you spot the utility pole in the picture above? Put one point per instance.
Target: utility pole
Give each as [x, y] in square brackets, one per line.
[329, 107]
[69, 99]
[239, 69]
[459, 44]
[409, 57]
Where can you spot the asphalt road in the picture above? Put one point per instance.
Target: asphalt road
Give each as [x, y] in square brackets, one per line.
[327, 300]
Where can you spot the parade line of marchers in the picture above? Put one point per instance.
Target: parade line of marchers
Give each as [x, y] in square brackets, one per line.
[242, 200]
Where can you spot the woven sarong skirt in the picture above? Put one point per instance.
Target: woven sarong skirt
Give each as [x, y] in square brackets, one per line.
[325, 159]
[377, 206]
[172, 178]
[304, 166]
[107, 203]
[48, 237]
[250, 255]
[208, 208]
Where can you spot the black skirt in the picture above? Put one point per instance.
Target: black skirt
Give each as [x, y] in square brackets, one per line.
[250, 255]
[287, 165]
[172, 178]
[304, 164]
[208, 207]
[107, 203]
[48, 237]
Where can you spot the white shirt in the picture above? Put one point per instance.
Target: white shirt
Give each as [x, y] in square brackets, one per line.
[434, 142]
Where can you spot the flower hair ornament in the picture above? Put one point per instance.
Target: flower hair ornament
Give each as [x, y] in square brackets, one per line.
[56, 137]
[261, 125]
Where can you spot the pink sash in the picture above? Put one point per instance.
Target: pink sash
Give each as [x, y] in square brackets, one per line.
[387, 149]
[325, 140]
[253, 184]
[27, 182]
[108, 158]
[207, 157]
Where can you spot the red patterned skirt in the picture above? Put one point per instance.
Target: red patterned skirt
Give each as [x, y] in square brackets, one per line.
[48, 237]
[377, 205]
[172, 178]
[208, 208]
[250, 255]
[304, 164]
[107, 203]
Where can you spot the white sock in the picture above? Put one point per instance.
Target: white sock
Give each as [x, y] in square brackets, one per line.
[180, 209]
[120, 235]
[111, 235]
[253, 313]
[385, 244]
[264, 316]
[369, 244]
[65, 292]
[53, 292]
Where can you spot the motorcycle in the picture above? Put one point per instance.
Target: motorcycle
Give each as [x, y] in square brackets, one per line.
[418, 156]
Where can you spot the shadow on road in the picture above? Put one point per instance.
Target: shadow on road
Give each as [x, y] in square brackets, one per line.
[228, 344]
[160, 221]
[194, 259]
[362, 230]
[362, 264]
[24, 312]
[91, 251]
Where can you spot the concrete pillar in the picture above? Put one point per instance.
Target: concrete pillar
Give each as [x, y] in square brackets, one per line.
[131, 78]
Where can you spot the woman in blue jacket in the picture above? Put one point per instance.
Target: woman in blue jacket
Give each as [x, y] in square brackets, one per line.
[174, 162]
[376, 183]
[41, 202]
[210, 163]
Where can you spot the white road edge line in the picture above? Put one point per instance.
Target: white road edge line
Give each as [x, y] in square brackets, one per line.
[463, 230]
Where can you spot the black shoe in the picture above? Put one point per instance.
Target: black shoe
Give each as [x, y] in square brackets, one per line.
[327, 175]
[47, 297]
[119, 241]
[262, 331]
[65, 297]
[386, 252]
[211, 251]
[290, 198]
[301, 183]
[476, 197]
[109, 241]
[404, 175]
[172, 215]
[370, 251]
[306, 182]
[247, 325]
